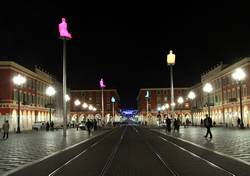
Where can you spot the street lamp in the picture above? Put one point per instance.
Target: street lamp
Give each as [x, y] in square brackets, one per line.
[171, 62]
[208, 89]
[239, 75]
[91, 107]
[180, 101]
[77, 104]
[67, 98]
[113, 102]
[84, 106]
[147, 97]
[50, 91]
[191, 96]
[18, 80]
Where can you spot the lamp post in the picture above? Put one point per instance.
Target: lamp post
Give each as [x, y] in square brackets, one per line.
[167, 107]
[50, 91]
[66, 99]
[77, 104]
[147, 97]
[191, 96]
[18, 80]
[64, 36]
[239, 75]
[171, 62]
[208, 89]
[84, 106]
[180, 101]
[113, 108]
[102, 85]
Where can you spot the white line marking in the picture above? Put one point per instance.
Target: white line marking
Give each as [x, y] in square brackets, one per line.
[194, 155]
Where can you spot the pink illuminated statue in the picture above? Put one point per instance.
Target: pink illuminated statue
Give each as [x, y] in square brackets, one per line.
[102, 84]
[63, 29]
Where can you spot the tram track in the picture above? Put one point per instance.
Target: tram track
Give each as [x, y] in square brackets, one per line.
[59, 169]
[192, 154]
[158, 155]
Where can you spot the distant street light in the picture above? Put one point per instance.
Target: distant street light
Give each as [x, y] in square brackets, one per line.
[191, 96]
[180, 101]
[147, 99]
[171, 62]
[239, 75]
[208, 89]
[113, 106]
[67, 98]
[50, 91]
[18, 80]
[77, 104]
[91, 107]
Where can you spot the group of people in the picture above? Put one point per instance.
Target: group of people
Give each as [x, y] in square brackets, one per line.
[49, 126]
[177, 122]
[90, 124]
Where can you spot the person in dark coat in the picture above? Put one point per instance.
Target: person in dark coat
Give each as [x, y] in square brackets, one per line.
[208, 124]
[168, 123]
[95, 124]
[6, 128]
[89, 126]
[47, 126]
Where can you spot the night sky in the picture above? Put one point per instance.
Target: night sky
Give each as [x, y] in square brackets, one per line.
[126, 44]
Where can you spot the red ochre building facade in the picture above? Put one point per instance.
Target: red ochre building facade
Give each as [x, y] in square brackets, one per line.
[224, 99]
[94, 98]
[32, 96]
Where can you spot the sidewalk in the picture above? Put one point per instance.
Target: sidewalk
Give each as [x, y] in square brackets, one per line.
[29, 146]
[230, 141]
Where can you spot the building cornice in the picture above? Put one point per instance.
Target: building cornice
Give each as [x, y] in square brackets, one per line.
[26, 72]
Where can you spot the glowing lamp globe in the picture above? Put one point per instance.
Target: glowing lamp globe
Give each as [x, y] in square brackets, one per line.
[239, 74]
[191, 95]
[171, 58]
[208, 88]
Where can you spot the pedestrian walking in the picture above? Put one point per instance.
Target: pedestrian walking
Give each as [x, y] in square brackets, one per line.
[47, 126]
[201, 122]
[168, 123]
[178, 123]
[52, 125]
[208, 125]
[6, 128]
[175, 124]
[95, 124]
[238, 122]
[89, 126]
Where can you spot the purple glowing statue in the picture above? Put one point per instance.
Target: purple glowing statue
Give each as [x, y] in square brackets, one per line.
[63, 30]
[102, 84]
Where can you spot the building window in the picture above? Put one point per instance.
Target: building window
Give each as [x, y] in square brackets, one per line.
[233, 93]
[158, 92]
[228, 94]
[244, 91]
[108, 107]
[216, 98]
[15, 98]
[225, 96]
[158, 99]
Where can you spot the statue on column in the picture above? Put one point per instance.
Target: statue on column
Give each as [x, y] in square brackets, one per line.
[102, 84]
[63, 29]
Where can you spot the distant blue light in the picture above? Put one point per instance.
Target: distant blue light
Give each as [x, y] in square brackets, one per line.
[129, 113]
[113, 100]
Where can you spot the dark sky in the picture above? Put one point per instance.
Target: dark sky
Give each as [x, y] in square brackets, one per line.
[126, 44]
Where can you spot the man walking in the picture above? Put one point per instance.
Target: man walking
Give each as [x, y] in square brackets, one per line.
[6, 127]
[208, 125]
